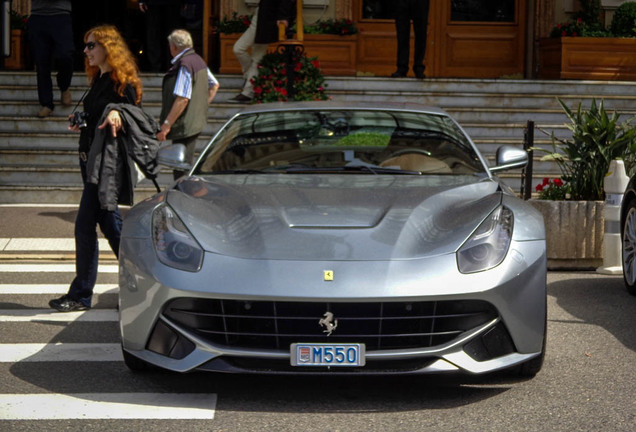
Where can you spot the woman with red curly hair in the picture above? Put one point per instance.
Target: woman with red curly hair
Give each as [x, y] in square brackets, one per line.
[114, 78]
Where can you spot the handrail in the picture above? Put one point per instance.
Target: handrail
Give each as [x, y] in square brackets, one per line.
[300, 31]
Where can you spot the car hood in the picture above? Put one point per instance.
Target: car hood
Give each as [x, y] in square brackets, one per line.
[333, 217]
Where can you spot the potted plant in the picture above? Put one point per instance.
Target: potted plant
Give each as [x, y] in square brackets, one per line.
[271, 83]
[572, 205]
[583, 49]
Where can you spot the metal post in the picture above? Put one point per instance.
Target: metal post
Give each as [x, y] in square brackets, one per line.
[526, 173]
[292, 48]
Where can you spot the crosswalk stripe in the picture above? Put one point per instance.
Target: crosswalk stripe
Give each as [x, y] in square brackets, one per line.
[108, 406]
[51, 268]
[52, 289]
[44, 244]
[49, 315]
[59, 352]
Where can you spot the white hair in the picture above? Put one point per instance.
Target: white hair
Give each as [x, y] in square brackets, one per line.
[181, 39]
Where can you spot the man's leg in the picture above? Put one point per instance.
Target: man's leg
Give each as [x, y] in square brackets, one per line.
[41, 45]
[64, 50]
[243, 44]
[258, 51]
[420, 24]
[403, 30]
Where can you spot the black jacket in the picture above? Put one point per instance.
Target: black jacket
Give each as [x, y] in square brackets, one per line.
[111, 161]
[270, 11]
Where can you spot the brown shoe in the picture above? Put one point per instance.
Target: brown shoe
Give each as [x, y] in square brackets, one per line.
[66, 98]
[45, 112]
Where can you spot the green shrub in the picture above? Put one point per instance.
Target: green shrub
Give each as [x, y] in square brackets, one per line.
[597, 139]
[624, 19]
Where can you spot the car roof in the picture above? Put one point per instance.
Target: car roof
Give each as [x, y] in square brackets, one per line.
[333, 105]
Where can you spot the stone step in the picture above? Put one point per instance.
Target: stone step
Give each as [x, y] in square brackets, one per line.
[38, 159]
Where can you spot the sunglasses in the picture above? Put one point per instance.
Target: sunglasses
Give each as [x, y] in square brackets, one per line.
[90, 45]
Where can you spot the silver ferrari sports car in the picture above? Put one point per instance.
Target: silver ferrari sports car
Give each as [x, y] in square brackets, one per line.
[325, 238]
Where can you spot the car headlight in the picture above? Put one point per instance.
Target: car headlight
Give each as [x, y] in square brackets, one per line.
[489, 244]
[174, 245]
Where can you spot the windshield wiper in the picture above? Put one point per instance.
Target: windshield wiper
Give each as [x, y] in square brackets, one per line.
[240, 171]
[352, 168]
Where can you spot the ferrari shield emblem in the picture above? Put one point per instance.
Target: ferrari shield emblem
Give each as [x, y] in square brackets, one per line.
[328, 275]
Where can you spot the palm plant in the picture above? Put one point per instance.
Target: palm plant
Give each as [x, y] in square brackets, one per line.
[597, 139]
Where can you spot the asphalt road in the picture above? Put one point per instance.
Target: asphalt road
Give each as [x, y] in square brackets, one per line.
[588, 381]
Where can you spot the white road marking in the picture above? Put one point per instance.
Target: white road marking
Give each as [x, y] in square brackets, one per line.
[76, 352]
[51, 268]
[44, 244]
[52, 289]
[21, 205]
[108, 406]
[50, 315]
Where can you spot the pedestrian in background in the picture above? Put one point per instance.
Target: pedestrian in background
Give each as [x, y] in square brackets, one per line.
[113, 74]
[187, 89]
[162, 17]
[405, 12]
[263, 30]
[50, 33]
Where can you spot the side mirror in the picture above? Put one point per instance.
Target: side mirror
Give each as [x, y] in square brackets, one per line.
[173, 156]
[509, 157]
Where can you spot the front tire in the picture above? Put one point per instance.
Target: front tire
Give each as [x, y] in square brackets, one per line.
[629, 248]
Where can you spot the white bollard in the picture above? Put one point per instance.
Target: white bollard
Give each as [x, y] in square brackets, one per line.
[615, 183]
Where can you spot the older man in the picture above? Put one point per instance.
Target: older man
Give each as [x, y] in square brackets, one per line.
[187, 89]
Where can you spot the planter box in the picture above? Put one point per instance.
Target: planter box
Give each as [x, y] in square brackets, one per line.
[336, 54]
[17, 59]
[574, 233]
[587, 58]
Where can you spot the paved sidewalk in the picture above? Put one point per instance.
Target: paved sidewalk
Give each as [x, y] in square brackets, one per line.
[42, 232]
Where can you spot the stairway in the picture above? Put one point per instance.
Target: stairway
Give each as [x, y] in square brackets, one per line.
[38, 157]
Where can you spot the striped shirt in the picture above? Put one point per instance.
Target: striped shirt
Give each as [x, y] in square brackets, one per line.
[183, 86]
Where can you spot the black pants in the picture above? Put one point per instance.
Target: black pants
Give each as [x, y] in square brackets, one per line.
[51, 36]
[160, 21]
[405, 11]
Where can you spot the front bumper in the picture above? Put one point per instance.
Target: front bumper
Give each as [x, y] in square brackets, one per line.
[516, 290]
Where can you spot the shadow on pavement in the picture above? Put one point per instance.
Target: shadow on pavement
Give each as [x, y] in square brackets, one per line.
[599, 300]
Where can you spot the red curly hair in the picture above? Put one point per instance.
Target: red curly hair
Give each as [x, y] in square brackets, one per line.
[118, 56]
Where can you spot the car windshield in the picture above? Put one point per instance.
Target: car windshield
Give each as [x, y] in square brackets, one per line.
[341, 141]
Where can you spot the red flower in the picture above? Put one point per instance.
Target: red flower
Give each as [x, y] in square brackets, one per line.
[564, 33]
[546, 181]
[558, 182]
[539, 188]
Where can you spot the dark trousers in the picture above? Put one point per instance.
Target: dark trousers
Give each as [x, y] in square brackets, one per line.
[51, 34]
[160, 21]
[405, 12]
[190, 145]
[89, 215]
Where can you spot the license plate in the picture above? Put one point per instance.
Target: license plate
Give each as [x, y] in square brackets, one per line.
[310, 354]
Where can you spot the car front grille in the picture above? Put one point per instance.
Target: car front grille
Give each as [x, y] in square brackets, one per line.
[276, 325]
